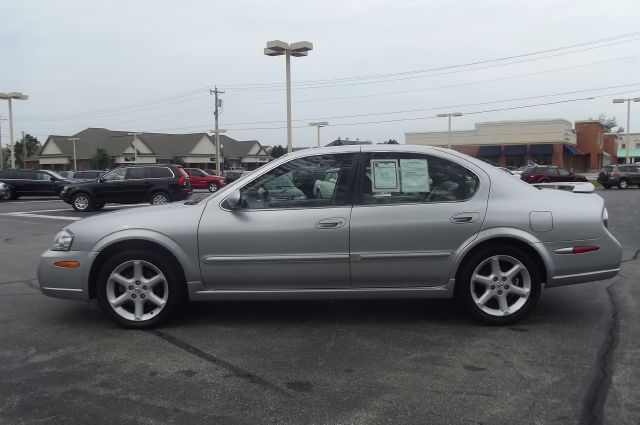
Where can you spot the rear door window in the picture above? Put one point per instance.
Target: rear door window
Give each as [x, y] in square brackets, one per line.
[136, 173]
[159, 172]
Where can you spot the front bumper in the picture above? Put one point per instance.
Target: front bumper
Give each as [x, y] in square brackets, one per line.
[62, 282]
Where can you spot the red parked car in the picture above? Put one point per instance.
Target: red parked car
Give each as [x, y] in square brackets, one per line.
[550, 174]
[202, 180]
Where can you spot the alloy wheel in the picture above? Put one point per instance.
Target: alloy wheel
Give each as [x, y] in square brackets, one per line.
[159, 199]
[213, 187]
[137, 290]
[81, 202]
[500, 285]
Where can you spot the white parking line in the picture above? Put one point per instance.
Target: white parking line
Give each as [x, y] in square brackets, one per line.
[36, 214]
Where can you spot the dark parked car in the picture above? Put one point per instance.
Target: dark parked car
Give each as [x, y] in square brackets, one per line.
[622, 176]
[203, 180]
[153, 183]
[549, 174]
[32, 183]
[84, 176]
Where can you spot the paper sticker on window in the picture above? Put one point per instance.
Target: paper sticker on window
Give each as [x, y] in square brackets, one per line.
[385, 175]
[414, 175]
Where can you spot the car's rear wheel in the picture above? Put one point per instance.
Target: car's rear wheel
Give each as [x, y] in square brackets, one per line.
[623, 184]
[159, 198]
[81, 202]
[10, 195]
[499, 285]
[213, 187]
[139, 289]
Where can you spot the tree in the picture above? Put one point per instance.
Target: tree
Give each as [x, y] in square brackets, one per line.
[277, 151]
[391, 142]
[609, 124]
[100, 160]
[33, 146]
[178, 161]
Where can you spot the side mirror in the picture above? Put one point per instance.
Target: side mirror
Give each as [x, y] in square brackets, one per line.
[234, 200]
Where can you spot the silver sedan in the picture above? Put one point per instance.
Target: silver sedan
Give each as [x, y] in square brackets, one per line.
[401, 222]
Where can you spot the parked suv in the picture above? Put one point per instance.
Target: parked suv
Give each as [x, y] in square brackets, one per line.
[32, 183]
[622, 176]
[153, 183]
[203, 180]
[549, 174]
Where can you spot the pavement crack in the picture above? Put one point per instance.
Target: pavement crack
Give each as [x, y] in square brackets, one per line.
[25, 281]
[634, 258]
[596, 395]
[235, 370]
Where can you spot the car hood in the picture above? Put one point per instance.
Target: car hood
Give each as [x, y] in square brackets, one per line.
[174, 220]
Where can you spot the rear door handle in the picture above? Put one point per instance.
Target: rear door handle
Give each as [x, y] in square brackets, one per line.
[466, 217]
[331, 223]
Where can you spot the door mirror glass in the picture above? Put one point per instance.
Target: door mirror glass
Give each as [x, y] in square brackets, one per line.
[234, 200]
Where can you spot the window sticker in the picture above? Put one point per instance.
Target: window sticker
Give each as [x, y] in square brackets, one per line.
[414, 175]
[385, 175]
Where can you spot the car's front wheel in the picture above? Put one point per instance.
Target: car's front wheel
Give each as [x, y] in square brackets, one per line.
[81, 202]
[623, 184]
[499, 285]
[213, 187]
[139, 289]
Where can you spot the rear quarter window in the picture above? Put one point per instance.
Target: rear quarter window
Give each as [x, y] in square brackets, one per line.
[159, 172]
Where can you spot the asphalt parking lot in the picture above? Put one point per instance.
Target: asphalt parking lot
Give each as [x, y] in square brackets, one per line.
[575, 360]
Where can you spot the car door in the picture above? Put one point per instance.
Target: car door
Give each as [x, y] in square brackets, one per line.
[197, 178]
[136, 184]
[280, 238]
[44, 184]
[110, 188]
[413, 212]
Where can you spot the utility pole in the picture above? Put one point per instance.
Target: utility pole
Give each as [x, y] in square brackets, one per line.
[1, 149]
[74, 140]
[216, 113]
[24, 152]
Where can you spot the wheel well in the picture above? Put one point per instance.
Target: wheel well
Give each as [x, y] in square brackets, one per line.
[127, 245]
[511, 242]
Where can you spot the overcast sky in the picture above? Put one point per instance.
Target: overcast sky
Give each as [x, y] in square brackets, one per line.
[147, 65]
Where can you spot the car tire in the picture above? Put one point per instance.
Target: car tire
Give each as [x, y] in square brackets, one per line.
[623, 184]
[213, 187]
[82, 202]
[159, 198]
[140, 289]
[493, 290]
[10, 195]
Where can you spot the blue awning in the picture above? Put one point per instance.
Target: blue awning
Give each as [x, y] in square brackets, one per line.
[541, 150]
[571, 150]
[489, 151]
[514, 150]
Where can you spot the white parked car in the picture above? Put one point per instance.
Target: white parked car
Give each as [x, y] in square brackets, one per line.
[323, 189]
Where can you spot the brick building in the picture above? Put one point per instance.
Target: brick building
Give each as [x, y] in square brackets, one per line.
[514, 143]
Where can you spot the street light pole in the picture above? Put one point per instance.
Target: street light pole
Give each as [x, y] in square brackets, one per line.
[449, 115]
[628, 138]
[1, 149]
[319, 125]
[9, 97]
[298, 49]
[73, 140]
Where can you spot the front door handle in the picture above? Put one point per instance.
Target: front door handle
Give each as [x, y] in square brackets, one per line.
[331, 223]
[466, 217]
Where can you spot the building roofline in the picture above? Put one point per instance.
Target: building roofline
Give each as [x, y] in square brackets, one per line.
[523, 121]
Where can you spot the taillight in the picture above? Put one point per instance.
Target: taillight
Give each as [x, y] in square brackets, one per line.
[182, 181]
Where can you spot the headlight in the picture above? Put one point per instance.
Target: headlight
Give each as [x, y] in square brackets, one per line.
[605, 217]
[62, 241]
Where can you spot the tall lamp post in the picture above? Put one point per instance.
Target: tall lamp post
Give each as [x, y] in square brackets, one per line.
[449, 115]
[216, 137]
[319, 125]
[9, 97]
[628, 139]
[298, 49]
[74, 139]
